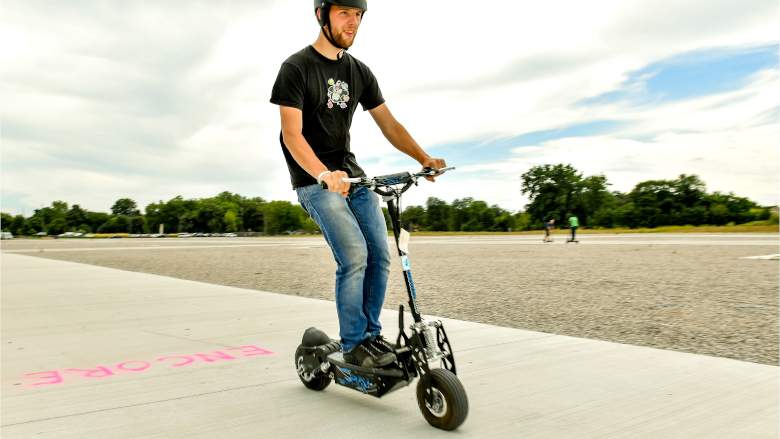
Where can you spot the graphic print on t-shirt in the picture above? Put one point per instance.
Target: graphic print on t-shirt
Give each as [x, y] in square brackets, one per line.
[338, 93]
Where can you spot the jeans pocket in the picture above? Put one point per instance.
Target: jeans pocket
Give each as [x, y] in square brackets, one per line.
[304, 196]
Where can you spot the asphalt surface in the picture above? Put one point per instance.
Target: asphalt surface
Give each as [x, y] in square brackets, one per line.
[699, 293]
[94, 352]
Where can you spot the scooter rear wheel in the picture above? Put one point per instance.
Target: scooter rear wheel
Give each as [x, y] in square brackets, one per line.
[450, 404]
[309, 379]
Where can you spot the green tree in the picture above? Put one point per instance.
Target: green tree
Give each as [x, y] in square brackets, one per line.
[729, 208]
[18, 226]
[230, 221]
[283, 216]
[125, 206]
[252, 214]
[57, 226]
[95, 220]
[413, 218]
[522, 220]
[490, 219]
[42, 219]
[689, 190]
[719, 214]
[171, 214]
[669, 202]
[5, 222]
[75, 217]
[137, 224]
[209, 216]
[553, 191]
[506, 222]
[438, 214]
[459, 215]
[592, 196]
[308, 225]
[35, 225]
[654, 203]
[115, 224]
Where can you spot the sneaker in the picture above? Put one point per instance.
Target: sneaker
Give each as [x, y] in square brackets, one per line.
[365, 355]
[382, 344]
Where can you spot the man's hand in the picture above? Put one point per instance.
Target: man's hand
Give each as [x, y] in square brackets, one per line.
[335, 184]
[434, 163]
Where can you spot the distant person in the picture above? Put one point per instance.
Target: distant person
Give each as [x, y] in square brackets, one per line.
[548, 225]
[574, 222]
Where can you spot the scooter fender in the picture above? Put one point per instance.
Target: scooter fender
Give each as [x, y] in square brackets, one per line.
[316, 346]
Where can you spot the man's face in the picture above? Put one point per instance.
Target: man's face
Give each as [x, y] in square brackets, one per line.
[344, 23]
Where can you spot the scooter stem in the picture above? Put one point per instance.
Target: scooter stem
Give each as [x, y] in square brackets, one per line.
[395, 220]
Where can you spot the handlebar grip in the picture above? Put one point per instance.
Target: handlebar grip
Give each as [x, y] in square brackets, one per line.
[355, 180]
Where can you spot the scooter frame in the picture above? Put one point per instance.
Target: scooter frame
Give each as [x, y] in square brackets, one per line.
[319, 359]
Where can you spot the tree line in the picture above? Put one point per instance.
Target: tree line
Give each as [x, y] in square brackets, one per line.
[557, 191]
[228, 212]
[224, 213]
[554, 191]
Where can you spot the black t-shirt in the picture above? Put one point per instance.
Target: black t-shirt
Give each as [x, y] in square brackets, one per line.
[327, 92]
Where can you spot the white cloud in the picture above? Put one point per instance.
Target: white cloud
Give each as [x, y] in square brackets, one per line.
[149, 101]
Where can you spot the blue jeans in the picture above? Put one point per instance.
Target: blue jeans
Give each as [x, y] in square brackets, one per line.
[354, 228]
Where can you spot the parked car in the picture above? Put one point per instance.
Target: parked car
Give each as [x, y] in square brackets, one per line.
[70, 235]
[7, 235]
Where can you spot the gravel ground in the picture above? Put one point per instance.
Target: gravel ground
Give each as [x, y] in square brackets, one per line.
[693, 298]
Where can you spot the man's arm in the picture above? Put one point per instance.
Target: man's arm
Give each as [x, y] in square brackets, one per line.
[292, 135]
[397, 135]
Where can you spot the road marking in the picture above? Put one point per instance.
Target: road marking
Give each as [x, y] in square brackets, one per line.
[318, 242]
[769, 257]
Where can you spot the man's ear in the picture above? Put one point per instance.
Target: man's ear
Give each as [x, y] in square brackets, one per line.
[319, 14]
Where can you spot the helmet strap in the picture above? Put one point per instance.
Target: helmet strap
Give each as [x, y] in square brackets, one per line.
[328, 35]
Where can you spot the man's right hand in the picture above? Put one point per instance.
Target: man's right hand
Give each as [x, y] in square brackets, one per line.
[335, 184]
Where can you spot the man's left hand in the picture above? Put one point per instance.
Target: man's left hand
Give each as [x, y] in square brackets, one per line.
[434, 163]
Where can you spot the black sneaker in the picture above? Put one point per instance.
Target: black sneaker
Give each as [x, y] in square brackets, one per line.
[365, 355]
[382, 344]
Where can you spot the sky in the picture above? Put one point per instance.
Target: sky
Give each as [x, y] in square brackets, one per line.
[150, 100]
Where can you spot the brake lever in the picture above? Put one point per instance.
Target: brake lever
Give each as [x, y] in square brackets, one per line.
[430, 172]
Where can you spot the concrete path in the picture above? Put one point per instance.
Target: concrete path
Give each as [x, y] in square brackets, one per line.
[91, 352]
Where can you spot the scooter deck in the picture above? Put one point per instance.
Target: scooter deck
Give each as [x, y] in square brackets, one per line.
[337, 358]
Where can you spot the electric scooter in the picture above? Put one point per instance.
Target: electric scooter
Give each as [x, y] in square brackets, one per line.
[440, 394]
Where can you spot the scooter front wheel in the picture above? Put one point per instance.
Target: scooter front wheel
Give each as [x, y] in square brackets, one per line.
[449, 405]
[307, 376]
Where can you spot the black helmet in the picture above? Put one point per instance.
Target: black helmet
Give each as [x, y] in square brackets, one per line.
[325, 6]
[360, 4]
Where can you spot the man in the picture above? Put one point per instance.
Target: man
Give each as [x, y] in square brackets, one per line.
[548, 225]
[317, 90]
[573, 224]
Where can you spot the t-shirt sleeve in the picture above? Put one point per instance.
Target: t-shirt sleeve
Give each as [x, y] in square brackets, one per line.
[372, 95]
[289, 87]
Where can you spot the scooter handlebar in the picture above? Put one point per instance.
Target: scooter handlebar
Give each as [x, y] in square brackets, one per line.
[392, 179]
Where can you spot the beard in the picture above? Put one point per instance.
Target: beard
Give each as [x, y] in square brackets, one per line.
[343, 40]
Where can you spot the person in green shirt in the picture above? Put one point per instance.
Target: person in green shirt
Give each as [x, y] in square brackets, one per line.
[574, 222]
